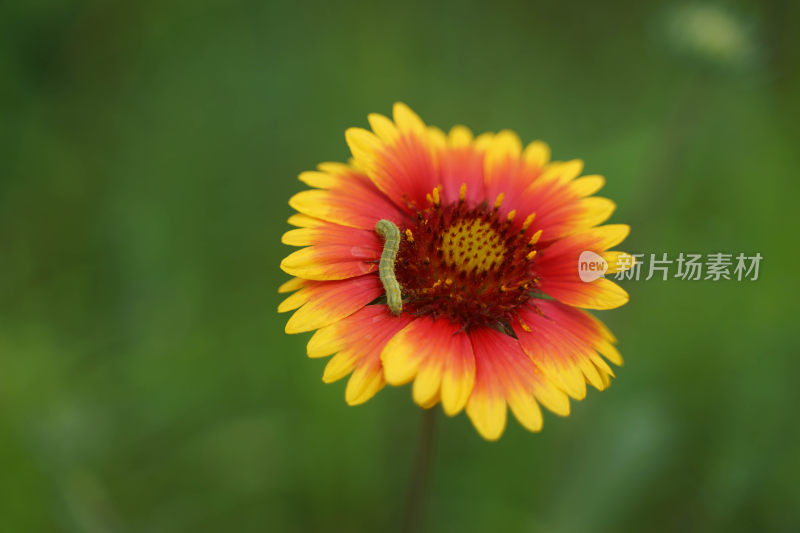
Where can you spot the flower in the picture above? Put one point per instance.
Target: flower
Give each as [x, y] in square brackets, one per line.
[487, 263]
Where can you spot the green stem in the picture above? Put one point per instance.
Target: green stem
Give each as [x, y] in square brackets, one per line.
[416, 497]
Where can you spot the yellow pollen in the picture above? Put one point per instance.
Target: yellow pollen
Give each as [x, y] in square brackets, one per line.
[436, 196]
[432, 288]
[473, 245]
[409, 236]
[535, 238]
[530, 255]
[462, 192]
[512, 214]
[528, 221]
[499, 201]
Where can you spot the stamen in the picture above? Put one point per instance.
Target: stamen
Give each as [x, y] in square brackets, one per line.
[436, 196]
[432, 288]
[530, 255]
[462, 192]
[511, 215]
[528, 221]
[499, 201]
[535, 238]
[409, 236]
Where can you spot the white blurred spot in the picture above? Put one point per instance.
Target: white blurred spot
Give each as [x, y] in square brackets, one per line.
[710, 32]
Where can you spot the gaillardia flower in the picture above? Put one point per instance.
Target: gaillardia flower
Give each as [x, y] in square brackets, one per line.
[490, 311]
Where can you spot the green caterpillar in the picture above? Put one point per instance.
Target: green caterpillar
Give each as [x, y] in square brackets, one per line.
[391, 243]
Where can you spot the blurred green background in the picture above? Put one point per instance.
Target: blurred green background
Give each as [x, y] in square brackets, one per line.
[148, 150]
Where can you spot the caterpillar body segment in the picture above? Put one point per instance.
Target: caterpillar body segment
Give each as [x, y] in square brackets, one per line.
[391, 243]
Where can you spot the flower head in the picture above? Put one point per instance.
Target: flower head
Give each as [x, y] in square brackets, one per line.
[491, 304]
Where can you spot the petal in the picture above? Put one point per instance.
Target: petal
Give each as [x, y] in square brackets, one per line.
[437, 355]
[459, 376]
[320, 180]
[561, 257]
[505, 375]
[578, 215]
[331, 262]
[459, 136]
[559, 200]
[461, 165]
[325, 302]
[340, 365]
[304, 221]
[556, 205]
[502, 158]
[599, 294]
[328, 233]
[295, 300]
[344, 195]
[356, 206]
[596, 239]
[291, 285]
[537, 154]
[407, 121]
[383, 127]
[618, 261]
[486, 409]
[428, 381]
[563, 342]
[503, 169]
[557, 269]
[365, 382]
[563, 172]
[359, 340]
[596, 210]
[436, 138]
[402, 166]
[587, 185]
[339, 169]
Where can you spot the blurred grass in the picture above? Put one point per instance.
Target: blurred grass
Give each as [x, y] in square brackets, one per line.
[148, 151]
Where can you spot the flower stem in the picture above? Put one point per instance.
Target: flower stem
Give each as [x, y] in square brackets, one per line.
[416, 497]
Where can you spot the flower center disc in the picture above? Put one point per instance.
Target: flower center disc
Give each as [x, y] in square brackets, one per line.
[473, 245]
[466, 264]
